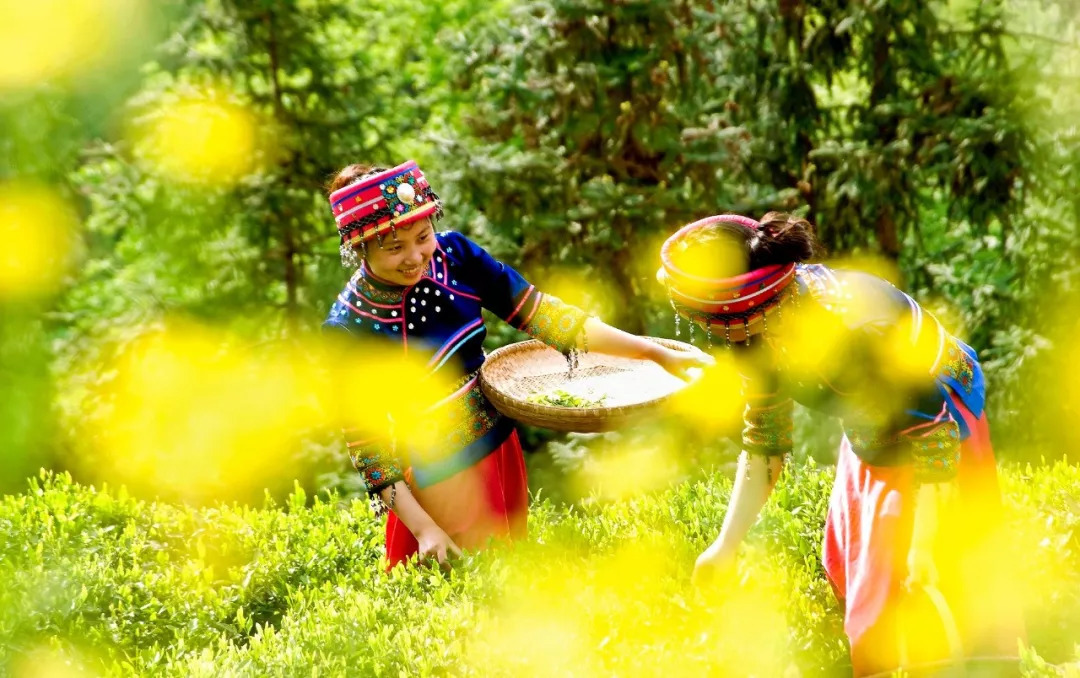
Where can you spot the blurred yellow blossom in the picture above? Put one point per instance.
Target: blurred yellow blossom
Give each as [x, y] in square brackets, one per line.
[713, 403]
[203, 139]
[194, 418]
[38, 229]
[630, 469]
[51, 660]
[47, 39]
[197, 415]
[582, 288]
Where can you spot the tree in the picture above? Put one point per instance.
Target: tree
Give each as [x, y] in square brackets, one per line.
[210, 205]
[600, 127]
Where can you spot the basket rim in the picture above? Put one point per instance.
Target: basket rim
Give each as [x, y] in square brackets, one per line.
[576, 414]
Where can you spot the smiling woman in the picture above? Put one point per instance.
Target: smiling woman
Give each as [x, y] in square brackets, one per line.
[402, 261]
[424, 291]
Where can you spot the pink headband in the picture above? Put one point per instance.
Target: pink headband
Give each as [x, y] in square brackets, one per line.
[375, 205]
[737, 300]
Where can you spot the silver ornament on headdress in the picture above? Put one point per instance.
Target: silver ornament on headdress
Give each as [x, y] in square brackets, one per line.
[349, 258]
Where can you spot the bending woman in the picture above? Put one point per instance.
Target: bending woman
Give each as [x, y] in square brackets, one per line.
[915, 506]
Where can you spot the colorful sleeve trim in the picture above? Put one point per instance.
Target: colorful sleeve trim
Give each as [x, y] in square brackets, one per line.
[376, 463]
[548, 319]
[959, 372]
[767, 429]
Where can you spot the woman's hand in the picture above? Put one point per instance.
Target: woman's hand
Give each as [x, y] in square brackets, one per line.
[604, 338]
[680, 363]
[436, 545]
[715, 564]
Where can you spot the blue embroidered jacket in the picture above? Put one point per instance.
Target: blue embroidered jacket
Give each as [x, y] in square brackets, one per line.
[869, 354]
[440, 318]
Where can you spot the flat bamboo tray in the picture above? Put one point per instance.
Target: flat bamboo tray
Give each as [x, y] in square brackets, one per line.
[631, 389]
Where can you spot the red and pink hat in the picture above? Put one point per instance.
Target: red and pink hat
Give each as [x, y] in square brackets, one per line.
[739, 301]
[380, 203]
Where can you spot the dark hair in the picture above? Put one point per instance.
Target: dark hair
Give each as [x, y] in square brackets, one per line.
[782, 239]
[351, 174]
[727, 249]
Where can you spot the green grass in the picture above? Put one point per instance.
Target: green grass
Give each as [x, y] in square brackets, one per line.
[119, 586]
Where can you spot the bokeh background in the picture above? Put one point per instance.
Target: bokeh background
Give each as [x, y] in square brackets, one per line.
[167, 256]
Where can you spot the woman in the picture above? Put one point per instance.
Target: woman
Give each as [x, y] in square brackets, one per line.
[424, 292]
[916, 475]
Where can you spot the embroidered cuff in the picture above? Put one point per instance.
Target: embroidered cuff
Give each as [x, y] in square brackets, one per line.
[376, 464]
[555, 323]
[767, 429]
[957, 367]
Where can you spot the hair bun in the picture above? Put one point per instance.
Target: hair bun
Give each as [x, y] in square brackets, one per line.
[785, 239]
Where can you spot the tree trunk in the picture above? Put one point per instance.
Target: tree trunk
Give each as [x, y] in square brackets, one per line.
[288, 239]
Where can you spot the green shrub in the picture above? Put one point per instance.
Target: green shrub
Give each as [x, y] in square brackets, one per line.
[125, 587]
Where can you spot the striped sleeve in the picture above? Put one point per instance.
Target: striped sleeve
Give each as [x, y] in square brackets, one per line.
[507, 294]
[548, 319]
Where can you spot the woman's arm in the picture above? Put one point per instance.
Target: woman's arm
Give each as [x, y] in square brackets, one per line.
[433, 540]
[562, 326]
[603, 338]
[766, 438]
[754, 482]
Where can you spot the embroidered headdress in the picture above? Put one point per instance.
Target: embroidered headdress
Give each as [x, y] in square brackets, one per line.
[741, 302]
[376, 205]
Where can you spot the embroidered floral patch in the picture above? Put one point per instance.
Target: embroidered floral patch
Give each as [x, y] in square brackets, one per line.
[959, 365]
[936, 453]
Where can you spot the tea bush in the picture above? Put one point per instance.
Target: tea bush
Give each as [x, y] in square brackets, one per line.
[99, 581]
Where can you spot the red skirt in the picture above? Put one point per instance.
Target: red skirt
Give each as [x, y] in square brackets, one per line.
[867, 537]
[489, 499]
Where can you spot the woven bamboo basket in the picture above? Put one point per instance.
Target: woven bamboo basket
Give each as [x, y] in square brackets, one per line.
[630, 388]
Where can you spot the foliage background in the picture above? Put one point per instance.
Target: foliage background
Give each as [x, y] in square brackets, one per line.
[161, 166]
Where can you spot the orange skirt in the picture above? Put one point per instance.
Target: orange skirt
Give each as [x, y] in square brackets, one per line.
[867, 537]
[487, 500]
